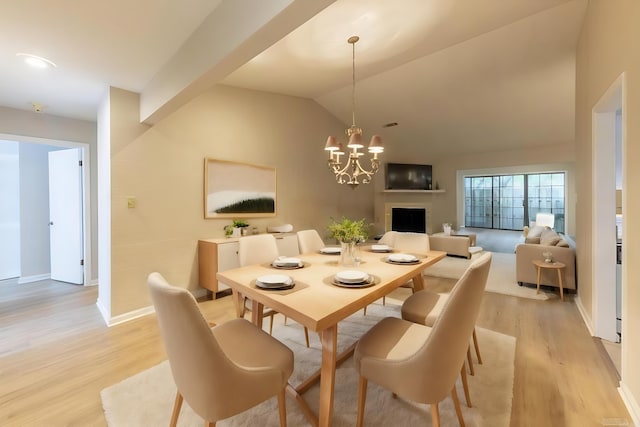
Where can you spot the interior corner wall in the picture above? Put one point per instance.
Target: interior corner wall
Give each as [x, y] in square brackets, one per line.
[608, 47]
[28, 126]
[162, 168]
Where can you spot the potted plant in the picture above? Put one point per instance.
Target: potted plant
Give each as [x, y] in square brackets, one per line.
[237, 228]
[349, 233]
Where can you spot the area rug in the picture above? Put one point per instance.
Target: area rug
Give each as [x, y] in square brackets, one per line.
[146, 399]
[502, 275]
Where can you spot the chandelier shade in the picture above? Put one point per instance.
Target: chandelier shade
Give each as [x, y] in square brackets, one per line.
[351, 172]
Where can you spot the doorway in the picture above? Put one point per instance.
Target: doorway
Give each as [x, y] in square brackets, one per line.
[32, 269]
[604, 244]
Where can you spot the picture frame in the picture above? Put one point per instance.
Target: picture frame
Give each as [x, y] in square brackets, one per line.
[235, 189]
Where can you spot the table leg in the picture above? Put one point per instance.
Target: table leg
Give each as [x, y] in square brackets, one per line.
[257, 310]
[538, 283]
[418, 282]
[238, 301]
[329, 340]
[560, 282]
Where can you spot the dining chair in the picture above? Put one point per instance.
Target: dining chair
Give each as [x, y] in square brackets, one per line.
[215, 375]
[424, 307]
[414, 243]
[261, 249]
[309, 241]
[422, 363]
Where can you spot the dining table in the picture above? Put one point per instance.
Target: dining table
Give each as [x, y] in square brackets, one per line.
[319, 302]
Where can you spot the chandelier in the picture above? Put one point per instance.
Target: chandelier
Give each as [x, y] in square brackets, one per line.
[351, 172]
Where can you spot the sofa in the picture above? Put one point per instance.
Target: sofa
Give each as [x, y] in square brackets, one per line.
[537, 241]
[451, 244]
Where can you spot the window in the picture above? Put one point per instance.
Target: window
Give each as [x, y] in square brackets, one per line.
[508, 202]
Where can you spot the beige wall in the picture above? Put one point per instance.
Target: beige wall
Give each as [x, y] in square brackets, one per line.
[162, 167]
[446, 207]
[608, 46]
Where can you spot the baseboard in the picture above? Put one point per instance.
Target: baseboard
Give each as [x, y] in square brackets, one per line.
[93, 282]
[583, 313]
[630, 402]
[36, 278]
[103, 311]
[131, 315]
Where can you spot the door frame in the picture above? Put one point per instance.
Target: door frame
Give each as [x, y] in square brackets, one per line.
[603, 206]
[85, 154]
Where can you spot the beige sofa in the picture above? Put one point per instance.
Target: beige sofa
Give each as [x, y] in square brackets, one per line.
[541, 240]
[452, 245]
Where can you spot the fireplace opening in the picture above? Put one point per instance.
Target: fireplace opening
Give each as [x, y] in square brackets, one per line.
[408, 220]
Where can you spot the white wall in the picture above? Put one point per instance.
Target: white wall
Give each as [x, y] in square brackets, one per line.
[9, 210]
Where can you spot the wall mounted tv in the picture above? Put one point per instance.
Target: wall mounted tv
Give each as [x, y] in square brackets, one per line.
[404, 176]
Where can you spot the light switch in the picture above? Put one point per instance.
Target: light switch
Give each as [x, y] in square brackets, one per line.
[131, 202]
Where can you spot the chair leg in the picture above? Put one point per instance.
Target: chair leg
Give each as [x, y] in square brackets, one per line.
[384, 299]
[471, 371]
[465, 385]
[365, 310]
[271, 325]
[477, 347]
[456, 404]
[282, 408]
[435, 415]
[306, 336]
[177, 405]
[362, 397]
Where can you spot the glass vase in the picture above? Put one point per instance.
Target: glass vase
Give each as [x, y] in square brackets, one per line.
[349, 254]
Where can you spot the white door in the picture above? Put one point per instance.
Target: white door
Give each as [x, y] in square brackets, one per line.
[9, 210]
[65, 216]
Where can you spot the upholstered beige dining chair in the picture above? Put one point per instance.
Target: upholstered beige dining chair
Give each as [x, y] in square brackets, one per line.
[309, 241]
[425, 307]
[261, 249]
[418, 362]
[413, 243]
[222, 371]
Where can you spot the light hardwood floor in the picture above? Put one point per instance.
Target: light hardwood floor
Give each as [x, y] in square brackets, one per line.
[56, 355]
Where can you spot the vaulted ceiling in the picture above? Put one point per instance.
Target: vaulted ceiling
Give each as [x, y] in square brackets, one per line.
[456, 75]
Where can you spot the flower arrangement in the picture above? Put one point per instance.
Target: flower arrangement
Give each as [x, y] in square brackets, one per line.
[349, 231]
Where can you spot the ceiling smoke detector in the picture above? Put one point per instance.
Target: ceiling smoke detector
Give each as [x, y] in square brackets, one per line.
[37, 107]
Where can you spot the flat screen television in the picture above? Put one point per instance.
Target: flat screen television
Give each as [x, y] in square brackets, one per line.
[404, 176]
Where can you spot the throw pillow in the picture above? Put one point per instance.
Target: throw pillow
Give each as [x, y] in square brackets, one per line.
[549, 238]
[535, 231]
[563, 244]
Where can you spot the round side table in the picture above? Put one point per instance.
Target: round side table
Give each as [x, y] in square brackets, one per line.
[558, 266]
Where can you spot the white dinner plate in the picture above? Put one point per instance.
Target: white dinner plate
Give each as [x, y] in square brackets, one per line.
[330, 250]
[287, 262]
[274, 279]
[402, 258]
[352, 276]
[381, 248]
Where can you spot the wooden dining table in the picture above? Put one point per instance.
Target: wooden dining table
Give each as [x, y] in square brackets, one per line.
[317, 303]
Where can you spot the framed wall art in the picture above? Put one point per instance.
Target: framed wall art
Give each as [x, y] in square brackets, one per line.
[233, 189]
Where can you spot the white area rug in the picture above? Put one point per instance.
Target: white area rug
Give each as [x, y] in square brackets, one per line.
[146, 399]
[502, 275]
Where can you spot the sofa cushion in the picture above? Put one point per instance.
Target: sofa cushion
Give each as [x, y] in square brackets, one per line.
[563, 244]
[549, 238]
[535, 231]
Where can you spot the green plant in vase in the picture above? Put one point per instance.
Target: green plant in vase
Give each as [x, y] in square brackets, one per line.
[349, 233]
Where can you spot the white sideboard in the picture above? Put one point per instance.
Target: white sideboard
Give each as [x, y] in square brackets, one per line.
[216, 255]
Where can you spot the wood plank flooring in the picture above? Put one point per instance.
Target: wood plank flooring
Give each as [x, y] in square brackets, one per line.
[56, 355]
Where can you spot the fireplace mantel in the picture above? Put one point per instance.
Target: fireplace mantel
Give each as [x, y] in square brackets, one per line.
[388, 207]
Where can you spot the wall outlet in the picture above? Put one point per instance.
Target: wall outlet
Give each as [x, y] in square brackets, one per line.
[131, 202]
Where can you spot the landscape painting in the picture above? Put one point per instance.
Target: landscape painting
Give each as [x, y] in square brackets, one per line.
[234, 189]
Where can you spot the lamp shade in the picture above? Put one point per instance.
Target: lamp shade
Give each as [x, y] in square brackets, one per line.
[375, 146]
[355, 141]
[332, 144]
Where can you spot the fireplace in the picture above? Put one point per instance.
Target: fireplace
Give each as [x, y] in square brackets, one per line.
[407, 217]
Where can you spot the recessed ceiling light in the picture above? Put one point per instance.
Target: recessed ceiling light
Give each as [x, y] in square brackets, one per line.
[36, 61]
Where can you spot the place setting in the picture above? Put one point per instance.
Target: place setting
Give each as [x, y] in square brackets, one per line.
[287, 263]
[381, 248]
[275, 282]
[403, 259]
[331, 250]
[353, 279]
